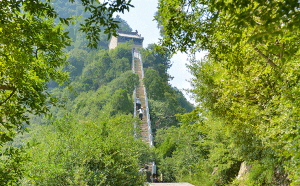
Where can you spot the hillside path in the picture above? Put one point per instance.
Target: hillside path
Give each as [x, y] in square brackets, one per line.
[140, 93]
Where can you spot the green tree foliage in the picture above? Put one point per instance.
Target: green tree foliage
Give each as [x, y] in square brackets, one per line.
[183, 102]
[96, 145]
[163, 99]
[12, 165]
[181, 151]
[76, 62]
[249, 80]
[197, 152]
[102, 67]
[31, 54]
[174, 153]
[185, 24]
[114, 97]
[97, 71]
[65, 8]
[122, 51]
[74, 152]
[121, 103]
[158, 61]
[91, 142]
[29, 58]
[91, 25]
[131, 82]
[123, 25]
[154, 84]
[163, 111]
[92, 102]
[94, 90]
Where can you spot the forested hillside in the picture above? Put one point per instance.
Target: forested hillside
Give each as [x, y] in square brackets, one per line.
[90, 140]
[247, 88]
[87, 137]
[66, 101]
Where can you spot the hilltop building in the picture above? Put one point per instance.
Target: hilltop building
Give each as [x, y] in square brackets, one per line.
[124, 37]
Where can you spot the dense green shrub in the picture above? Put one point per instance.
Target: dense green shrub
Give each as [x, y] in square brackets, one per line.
[78, 152]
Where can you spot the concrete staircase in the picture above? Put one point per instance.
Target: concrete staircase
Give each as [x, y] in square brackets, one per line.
[145, 126]
[145, 129]
[140, 93]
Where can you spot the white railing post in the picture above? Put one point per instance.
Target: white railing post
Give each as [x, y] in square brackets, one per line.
[150, 136]
[147, 106]
[133, 69]
[153, 168]
[134, 96]
[140, 58]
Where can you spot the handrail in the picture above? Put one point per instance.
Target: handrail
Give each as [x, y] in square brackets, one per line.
[147, 105]
[150, 136]
[134, 96]
[142, 66]
[133, 67]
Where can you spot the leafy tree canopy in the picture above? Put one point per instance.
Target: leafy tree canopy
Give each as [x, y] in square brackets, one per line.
[29, 58]
[66, 8]
[248, 82]
[158, 61]
[191, 24]
[99, 152]
[31, 53]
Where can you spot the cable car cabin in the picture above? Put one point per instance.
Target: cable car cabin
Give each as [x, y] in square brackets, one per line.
[124, 37]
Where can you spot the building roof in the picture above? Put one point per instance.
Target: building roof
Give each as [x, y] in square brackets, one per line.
[130, 35]
[124, 36]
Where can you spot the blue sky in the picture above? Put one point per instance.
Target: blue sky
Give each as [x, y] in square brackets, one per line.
[141, 18]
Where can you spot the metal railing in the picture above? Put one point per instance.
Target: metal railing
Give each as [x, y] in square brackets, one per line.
[134, 94]
[138, 55]
[146, 102]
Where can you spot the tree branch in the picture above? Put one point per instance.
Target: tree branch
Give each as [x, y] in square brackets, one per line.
[1, 103]
[264, 56]
[268, 60]
[262, 70]
[271, 63]
[5, 87]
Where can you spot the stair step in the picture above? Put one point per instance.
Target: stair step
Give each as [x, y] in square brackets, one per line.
[140, 92]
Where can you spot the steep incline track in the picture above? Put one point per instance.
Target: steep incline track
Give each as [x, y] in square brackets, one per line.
[140, 92]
